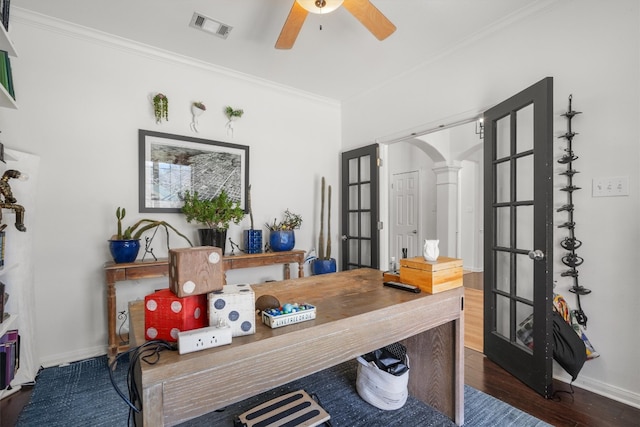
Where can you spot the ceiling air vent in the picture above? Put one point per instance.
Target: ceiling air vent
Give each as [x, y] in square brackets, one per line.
[204, 23]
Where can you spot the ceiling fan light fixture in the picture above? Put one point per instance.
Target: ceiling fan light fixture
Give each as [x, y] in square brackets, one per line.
[320, 6]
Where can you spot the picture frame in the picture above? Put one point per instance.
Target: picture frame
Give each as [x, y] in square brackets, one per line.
[169, 165]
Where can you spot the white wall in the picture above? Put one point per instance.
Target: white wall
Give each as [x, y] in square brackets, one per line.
[591, 48]
[82, 98]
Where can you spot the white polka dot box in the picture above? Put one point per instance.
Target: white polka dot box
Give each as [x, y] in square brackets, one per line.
[195, 271]
[166, 314]
[234, 305]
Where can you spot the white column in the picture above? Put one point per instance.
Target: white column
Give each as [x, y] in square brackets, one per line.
[447, 213]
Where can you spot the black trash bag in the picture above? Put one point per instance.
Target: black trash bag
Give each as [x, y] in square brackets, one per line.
[391, 359]
[568, 348]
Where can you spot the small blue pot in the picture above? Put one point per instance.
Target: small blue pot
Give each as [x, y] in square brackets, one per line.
[124, 250]
[283, 240]
[323, 266]
[253, 241]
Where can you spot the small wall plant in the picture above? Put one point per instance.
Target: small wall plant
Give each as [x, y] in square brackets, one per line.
[230, 112]
[161, 107]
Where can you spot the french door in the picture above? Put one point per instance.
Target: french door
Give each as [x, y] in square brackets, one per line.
[360, 211]
[518, 251]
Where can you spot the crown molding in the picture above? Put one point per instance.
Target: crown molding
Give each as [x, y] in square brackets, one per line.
[90, 35]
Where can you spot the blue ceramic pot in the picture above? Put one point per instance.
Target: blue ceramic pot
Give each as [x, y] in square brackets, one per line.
[253, 241]
[124, 250]
[283, 240]
[323, 266]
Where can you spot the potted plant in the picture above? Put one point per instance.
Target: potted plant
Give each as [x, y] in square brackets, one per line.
[214, 214]
[125, 245]
[324, 263]
[252, 238]
[282, 236]
[161, 107]
[232, 115]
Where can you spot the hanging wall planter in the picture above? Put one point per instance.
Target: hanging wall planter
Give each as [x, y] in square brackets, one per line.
[232, 115]
[161, 107]
[197, 109]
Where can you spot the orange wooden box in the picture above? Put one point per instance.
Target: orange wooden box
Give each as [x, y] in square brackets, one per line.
[431, 277]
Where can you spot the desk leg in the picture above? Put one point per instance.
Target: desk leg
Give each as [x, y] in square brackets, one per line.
[300, 268]
[437, 375]
[152, 414]
[287, 272]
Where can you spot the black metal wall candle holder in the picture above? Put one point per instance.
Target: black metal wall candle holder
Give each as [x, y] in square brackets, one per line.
[571, 243]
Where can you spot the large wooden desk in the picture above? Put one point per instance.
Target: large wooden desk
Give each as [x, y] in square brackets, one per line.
[355, 315]
[152, 269]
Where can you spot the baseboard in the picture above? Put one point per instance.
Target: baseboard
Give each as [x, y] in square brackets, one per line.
[73, 356]
[467, 269]
[615, 393]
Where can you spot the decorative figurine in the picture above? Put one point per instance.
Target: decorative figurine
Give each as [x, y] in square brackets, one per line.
[8, 201]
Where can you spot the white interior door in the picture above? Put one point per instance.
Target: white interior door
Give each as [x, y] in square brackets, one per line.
[404, 215]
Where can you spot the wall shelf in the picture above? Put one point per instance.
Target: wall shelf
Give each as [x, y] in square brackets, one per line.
[6, 44]
[8, 323]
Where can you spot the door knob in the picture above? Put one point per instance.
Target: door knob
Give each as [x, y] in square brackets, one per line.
[536, 255]
[415, 231]
[344, 238]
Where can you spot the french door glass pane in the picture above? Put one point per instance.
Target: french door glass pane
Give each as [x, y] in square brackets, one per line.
[502, 316]
[524, 178]
[365, 219]
[503, 228]
[503, 271]
[524, 226]
[353, 171]
[365, 170]
[524, 130]
[524, 277]
[503, 137]
[503, 182]
[365, 198]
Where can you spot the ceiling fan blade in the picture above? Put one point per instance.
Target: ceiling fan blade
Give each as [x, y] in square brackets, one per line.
[291, 27]
[370, 17]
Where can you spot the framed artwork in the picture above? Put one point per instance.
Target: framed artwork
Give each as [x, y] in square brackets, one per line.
[169, 165]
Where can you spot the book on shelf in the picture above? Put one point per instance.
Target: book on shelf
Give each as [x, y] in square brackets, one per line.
[9, 357]
[2, 302]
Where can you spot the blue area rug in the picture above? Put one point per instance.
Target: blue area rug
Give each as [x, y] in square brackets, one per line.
[81, 394]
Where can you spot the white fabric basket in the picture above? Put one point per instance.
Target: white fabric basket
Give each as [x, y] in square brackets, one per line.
[379, 388]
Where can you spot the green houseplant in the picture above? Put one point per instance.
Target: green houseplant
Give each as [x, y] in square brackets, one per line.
[161, 107]
[214, 214]
[282, 236]
[125, 244]
[324, 263]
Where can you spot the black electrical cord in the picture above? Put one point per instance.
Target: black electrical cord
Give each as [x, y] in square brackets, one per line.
[149, 352]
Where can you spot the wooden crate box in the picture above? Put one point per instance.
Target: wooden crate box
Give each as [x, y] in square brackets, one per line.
[431, 277]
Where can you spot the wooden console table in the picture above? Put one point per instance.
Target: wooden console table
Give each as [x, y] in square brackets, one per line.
[355, 315]
[160, 268]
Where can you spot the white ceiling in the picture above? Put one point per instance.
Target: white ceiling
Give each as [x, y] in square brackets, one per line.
[340, 61]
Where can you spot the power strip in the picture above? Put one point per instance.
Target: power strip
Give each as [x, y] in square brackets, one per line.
[203, 338]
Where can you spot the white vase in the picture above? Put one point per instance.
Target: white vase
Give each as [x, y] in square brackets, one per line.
[431, 250]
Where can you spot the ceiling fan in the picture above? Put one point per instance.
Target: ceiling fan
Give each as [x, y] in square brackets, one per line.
[362, 10]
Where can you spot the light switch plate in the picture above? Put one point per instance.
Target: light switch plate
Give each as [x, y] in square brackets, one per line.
[610, 186]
